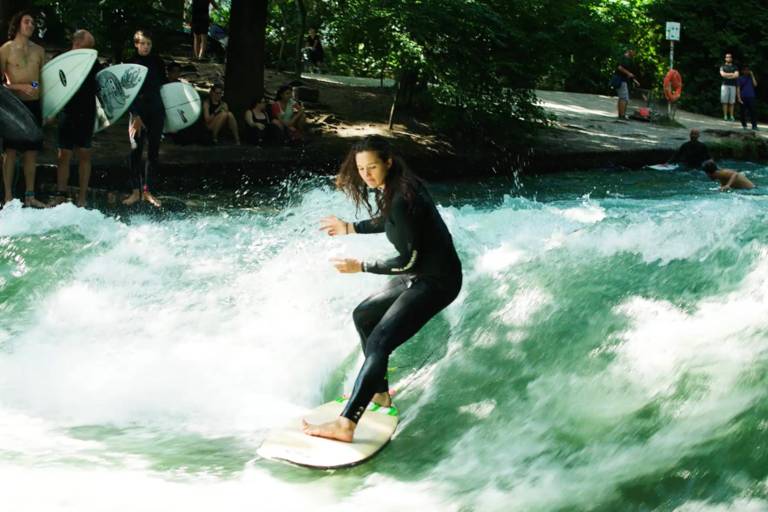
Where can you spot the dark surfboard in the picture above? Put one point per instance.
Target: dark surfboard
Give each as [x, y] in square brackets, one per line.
[16, 122]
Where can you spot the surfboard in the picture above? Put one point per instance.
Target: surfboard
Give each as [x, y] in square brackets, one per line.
[16, 121]
[288, 443]
[182, 106]
[118, 86]
[62, 78]
[663, 167]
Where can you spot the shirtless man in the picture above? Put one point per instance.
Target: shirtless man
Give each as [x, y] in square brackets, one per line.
[21, 62]
[728, 178]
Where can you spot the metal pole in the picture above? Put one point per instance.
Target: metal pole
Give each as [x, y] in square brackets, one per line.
[671, 66]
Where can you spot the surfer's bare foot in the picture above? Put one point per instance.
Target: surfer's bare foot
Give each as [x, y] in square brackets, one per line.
[30, 201]
[341, 429]
[131, 199]
[148, 197]
[383, 399]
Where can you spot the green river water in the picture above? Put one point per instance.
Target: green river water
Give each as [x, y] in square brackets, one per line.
[608, 352]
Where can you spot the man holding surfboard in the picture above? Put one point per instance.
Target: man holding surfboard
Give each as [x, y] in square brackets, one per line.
[76, 127]
[147, 119]
[21, 62]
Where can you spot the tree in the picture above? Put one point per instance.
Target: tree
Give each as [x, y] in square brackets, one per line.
[245, 53]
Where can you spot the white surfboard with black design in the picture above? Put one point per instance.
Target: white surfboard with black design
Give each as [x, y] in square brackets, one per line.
[118, 87]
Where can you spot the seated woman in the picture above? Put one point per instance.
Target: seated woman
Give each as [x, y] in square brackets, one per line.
[288, 114]
[216, 114]
[258, 123]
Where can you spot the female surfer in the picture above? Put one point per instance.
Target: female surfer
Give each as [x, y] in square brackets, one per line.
[427, 269]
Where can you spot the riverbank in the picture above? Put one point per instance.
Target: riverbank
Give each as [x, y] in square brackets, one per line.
[584, 133]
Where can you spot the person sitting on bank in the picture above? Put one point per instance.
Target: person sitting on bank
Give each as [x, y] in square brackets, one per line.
[728, 178]
[173, 70]
[216, 114]
[288, 114]
[259, 125]
[692, 153]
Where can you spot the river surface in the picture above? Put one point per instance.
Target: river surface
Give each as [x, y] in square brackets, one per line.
[608, 351]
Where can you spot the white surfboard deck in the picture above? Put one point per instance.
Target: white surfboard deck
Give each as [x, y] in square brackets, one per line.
[118, 87]
[663, 167]
[290, 444]
[182, 106]
[62, 78]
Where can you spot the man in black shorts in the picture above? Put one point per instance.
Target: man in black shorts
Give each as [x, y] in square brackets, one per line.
[76, 123]
[200, 22]
[21, 63]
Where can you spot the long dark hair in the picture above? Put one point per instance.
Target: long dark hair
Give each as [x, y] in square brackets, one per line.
[399, 177]
[15, 24]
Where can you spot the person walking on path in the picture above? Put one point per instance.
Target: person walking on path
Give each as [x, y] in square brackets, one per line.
[730, 75]
[201, 20]
[620, 80]
[21, 63]
[745, 95]
[76, 128]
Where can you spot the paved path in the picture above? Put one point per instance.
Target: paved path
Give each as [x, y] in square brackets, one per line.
[587, 123]
[352, 81]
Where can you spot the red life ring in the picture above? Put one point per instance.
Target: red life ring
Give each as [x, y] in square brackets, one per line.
[673, 85]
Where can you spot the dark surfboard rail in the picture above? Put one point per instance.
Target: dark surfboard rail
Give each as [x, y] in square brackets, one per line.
[16, 122]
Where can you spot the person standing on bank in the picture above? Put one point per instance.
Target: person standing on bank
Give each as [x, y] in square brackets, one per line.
[730, 75]
[201, 20]
[621, 76]
[21, 63]
[76, 127]
[745, 95]
[146, 121]
[427, 270]
[314, 49]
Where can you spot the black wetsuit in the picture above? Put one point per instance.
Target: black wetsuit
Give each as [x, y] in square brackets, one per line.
[691, 154]
[77, 118]
[149, 106]
[428, 279]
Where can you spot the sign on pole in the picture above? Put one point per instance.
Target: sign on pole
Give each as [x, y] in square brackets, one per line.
[673, 31]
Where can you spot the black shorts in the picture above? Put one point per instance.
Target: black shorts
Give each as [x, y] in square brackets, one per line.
[37, 113]
[75, 131]
[200, 24]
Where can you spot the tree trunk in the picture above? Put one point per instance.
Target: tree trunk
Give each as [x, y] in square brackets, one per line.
[244, 76]
[302, 12]
[283, 36]
[395, 101]
[7, 9]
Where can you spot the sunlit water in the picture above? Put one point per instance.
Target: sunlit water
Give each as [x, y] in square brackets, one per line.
[608, 352]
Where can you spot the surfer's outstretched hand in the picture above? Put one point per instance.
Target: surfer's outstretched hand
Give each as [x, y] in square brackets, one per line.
[335, 226]
[347, 265]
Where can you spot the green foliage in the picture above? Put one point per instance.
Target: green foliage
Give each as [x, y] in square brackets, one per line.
[113, 22]
[220, 16]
